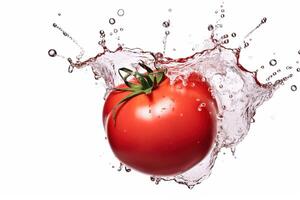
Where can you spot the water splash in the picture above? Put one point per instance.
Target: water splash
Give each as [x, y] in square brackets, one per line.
[237, 91]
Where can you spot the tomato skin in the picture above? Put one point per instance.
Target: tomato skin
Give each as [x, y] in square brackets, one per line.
[163, 133]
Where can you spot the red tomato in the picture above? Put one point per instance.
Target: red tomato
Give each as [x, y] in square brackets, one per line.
[165, 132]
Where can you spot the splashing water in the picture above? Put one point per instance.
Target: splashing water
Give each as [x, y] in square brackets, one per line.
[237, 91]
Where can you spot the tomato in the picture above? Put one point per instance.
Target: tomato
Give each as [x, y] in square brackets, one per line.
[165, 132]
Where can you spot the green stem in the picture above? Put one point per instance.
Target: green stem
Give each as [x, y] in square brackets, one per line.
[146, 83]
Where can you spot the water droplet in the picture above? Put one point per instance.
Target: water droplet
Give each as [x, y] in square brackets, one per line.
[115, 30]
[199, 108]
[222, 10]
[298, 69]
[52, 52]
[293, 88]
[152, 178]
[166, 24]
[210, 27]
[102, 32]
[220, 86]
[121, 12]
[246, 44]
[112, 21]
[167, 32]
[222, 15]
[70, 69]
[299, 52]
[54, 25]
[252, 120]
[263, 20]
[233, 34]
[65, 33]
[273, 62]
[289, 67]
[127, 169]
[262, 67]
[59, 14]
[226, 41]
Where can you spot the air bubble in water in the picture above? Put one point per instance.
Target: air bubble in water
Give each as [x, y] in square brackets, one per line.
[222, 15]
[115, 30]
[112, 21]
[233, 34]
[273, 62]
[120, 12]
[293, 88]
[52, 53]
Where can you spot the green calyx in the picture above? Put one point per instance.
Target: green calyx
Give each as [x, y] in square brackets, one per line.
[146, 83]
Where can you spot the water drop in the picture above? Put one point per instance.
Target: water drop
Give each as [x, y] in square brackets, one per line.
[152, 178]
[59, 14]
[121, 12]
[102, 32]
[246, 44]
[167, 32]
[226, 41]
[166, 24]
[210, 27]
[112, 21]
[54, 25]
[299, 52]
[52, 52]
[293, 88]
[262, 67]
[298, 69]
[199, 108]
[115, 30]
[222, 10]
[233, 34]
[70, 69]
[127, 169]
[222, 15]
[289, 67]
[264, 20]
[65, 34]
[220, 86]
[273, 62]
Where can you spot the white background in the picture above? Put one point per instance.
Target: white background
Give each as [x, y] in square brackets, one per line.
[52, 142]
